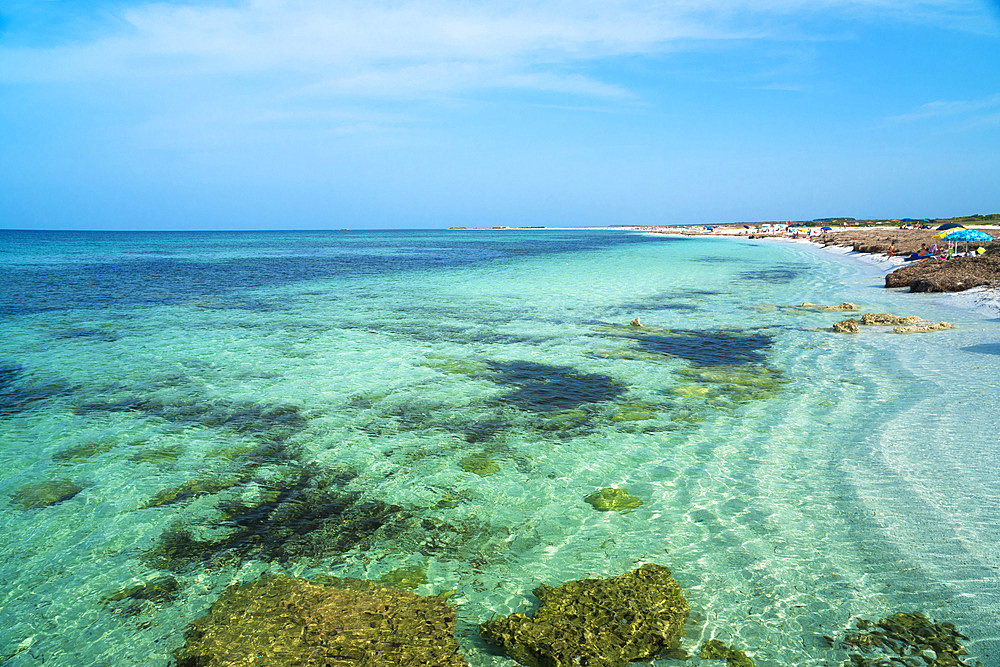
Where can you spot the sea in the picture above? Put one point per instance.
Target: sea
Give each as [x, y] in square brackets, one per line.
[438, 410]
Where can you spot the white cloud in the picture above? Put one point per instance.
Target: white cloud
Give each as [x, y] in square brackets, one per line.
[360, 41]
[213, 69]
[965, 110]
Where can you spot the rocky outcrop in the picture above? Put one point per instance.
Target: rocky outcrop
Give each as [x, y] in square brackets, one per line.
[606, 622]
[885, 319]
[952, 275]
[288, 621]
[920, 328]
[635, 323]
[850, 325]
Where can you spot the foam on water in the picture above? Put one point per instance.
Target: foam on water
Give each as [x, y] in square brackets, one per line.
[186, 411]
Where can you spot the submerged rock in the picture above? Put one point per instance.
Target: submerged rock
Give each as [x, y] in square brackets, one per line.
[714, 649]
[44, 494]
[850, 325]
[287, 621]
[596, 622]
[408, 577]
[90, 450]
[612, 499]
[543, 388]
[919, 328]
[845, 306]
[734, 383]
[885, 319]
[479, 464]
[167, 454]
[161, 589]
[908, 640]
[132, 600]
[306, 514]
[708, 347]
[191, 489]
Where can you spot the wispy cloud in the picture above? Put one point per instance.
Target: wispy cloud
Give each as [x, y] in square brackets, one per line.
[225, 64]
[964, 112]
[358, 42]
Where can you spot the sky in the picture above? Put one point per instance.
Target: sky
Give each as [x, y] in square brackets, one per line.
[330, 114]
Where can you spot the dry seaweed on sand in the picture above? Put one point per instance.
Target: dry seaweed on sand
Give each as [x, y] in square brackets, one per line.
[283, 620]
[596, 622]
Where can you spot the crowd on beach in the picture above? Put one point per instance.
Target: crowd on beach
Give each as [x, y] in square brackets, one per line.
[920, 247]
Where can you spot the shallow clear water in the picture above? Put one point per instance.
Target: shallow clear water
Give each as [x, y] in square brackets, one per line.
[201, 408]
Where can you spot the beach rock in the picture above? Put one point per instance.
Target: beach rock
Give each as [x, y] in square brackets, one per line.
[885, 319]
[918, 328]
[283, 620]
[952, 275]
[597, 622]
[612, 499]
[850, 325]
[635, 323]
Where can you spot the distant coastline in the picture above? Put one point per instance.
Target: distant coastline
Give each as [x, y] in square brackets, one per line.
[971, 282]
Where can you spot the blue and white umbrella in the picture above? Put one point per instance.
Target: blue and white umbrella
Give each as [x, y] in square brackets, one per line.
[967, 235]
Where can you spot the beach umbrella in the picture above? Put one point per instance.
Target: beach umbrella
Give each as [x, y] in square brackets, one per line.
[950, 225]
[827, 229]
[967, 235]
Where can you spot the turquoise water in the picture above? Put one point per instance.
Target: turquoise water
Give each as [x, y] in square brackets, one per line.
[197, 409]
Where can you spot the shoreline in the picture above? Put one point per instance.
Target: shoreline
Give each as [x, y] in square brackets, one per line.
[983, 300]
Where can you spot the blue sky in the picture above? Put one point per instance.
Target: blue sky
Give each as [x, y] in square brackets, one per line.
[257, 114]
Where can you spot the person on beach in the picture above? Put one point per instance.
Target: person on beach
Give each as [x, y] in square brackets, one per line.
[892, 249]
[924, 250]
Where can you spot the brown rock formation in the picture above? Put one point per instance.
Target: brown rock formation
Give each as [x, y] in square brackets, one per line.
[845, 306]
[599, 622]
[287, 621]
[850, 325]
[952, 275]
[920, 328]
[885, 319]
